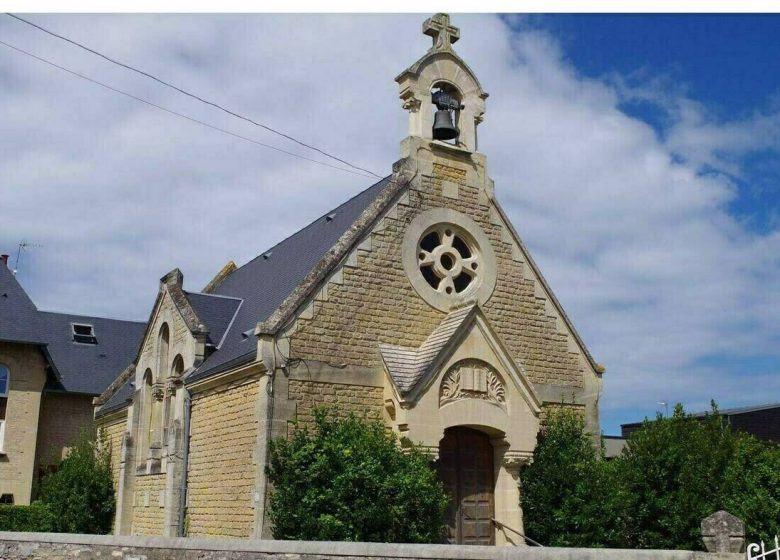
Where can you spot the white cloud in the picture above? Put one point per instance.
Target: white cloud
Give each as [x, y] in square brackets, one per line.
[637, 243]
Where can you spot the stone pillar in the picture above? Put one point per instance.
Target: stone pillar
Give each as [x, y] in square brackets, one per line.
[264, 401]
[174, 465]
[508, 513]
[125, 487]
[723, 532]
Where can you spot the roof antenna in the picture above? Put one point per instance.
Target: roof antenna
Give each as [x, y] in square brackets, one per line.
[24, 245]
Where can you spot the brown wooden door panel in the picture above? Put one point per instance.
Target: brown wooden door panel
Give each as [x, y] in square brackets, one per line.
[466, 470]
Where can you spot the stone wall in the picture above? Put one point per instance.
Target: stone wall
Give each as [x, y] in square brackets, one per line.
[149, 505]
[375, 302]
[222, 463]
[113, 432]
[28, 546]
[63, 416]
[17, 461]
[344, 399]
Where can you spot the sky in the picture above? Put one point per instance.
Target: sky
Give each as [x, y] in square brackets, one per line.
[637, 156]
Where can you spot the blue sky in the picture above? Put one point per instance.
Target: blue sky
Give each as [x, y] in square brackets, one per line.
[637, 156]
[728, 62]
[725, 62]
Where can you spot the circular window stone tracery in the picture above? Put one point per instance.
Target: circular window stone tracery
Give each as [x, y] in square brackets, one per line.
[448, 258]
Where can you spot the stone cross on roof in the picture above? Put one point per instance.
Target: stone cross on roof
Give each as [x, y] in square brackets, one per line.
[442, 32]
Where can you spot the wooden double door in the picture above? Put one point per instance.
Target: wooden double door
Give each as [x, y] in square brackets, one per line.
[466, 469]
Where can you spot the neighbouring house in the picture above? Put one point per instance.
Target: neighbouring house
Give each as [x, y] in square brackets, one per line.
[415, 302]
[762, 421]
[52, 365]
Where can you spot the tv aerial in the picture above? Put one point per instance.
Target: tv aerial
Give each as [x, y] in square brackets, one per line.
[23, 246]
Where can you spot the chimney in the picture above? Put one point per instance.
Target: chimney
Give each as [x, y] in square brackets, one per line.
[4, 259]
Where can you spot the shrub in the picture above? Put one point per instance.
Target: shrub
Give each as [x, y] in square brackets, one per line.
[568, 495]
[751, 488]
[80, 492]
[673, 469]
[33, 518]
[673, 473]
[346, 479]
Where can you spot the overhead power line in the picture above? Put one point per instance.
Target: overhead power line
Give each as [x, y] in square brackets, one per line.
[176, 113]
[192, 95]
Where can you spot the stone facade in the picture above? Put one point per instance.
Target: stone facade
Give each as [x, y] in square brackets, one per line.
[368, 331]
[149, 505]
[364, 401]
[17, 460]
[63, 417]
[376, 303]
[222, 463]
[113, 431]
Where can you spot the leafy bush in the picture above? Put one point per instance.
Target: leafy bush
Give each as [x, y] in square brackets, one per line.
[678, 470]
[346, 479]
[80, 492]
[751, 488]
[567, 491]
[673, 473]
[33, 518]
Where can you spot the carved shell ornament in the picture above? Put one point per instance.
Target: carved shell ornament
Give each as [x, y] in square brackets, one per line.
[472, 379]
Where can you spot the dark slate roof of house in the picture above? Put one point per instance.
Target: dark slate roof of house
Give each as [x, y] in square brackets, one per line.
[78, 368]
[18, 314]
[216, 312]
[118, 399]
[266, 281]
[89, 368]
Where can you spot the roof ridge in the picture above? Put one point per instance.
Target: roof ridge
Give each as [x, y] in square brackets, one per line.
[212, 295]
[79, 315]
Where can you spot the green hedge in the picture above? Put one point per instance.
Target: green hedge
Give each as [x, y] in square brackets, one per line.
[33, 518]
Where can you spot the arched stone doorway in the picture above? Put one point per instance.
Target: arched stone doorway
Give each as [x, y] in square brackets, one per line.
[466, 469]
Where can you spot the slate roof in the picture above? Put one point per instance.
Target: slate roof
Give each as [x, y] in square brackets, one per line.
[88, 368]
[18, 314]
[78, 368]
[407, 366]
[216, 312]
[118, 399]
[265, 282]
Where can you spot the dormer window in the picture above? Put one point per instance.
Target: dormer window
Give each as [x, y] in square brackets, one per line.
[84, 334]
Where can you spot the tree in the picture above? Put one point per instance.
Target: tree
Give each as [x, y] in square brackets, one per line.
[347, 479]
[80, 492]
[751, 488]
[568, 491]
[673, 473]
[677, 471]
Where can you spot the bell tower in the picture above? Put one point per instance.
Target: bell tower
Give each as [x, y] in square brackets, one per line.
[444, 99]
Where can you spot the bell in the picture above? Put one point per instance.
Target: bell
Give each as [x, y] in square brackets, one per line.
[443, 129]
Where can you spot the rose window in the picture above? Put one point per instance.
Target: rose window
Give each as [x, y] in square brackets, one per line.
[448, 259]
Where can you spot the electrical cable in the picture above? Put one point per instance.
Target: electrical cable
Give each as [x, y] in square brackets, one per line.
[172, 112]
[189, 94]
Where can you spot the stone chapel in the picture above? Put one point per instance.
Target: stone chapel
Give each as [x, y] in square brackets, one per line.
[415, 302]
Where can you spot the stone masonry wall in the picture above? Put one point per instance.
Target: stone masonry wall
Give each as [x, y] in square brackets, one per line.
[62, 418]
[48, 546]
[344, 399]
[28, 375]
[149, 505]
[113, 432]
[222, 463]
[375, 303]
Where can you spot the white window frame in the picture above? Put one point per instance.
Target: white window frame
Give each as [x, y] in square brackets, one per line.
[2, 435]
[91, 334]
